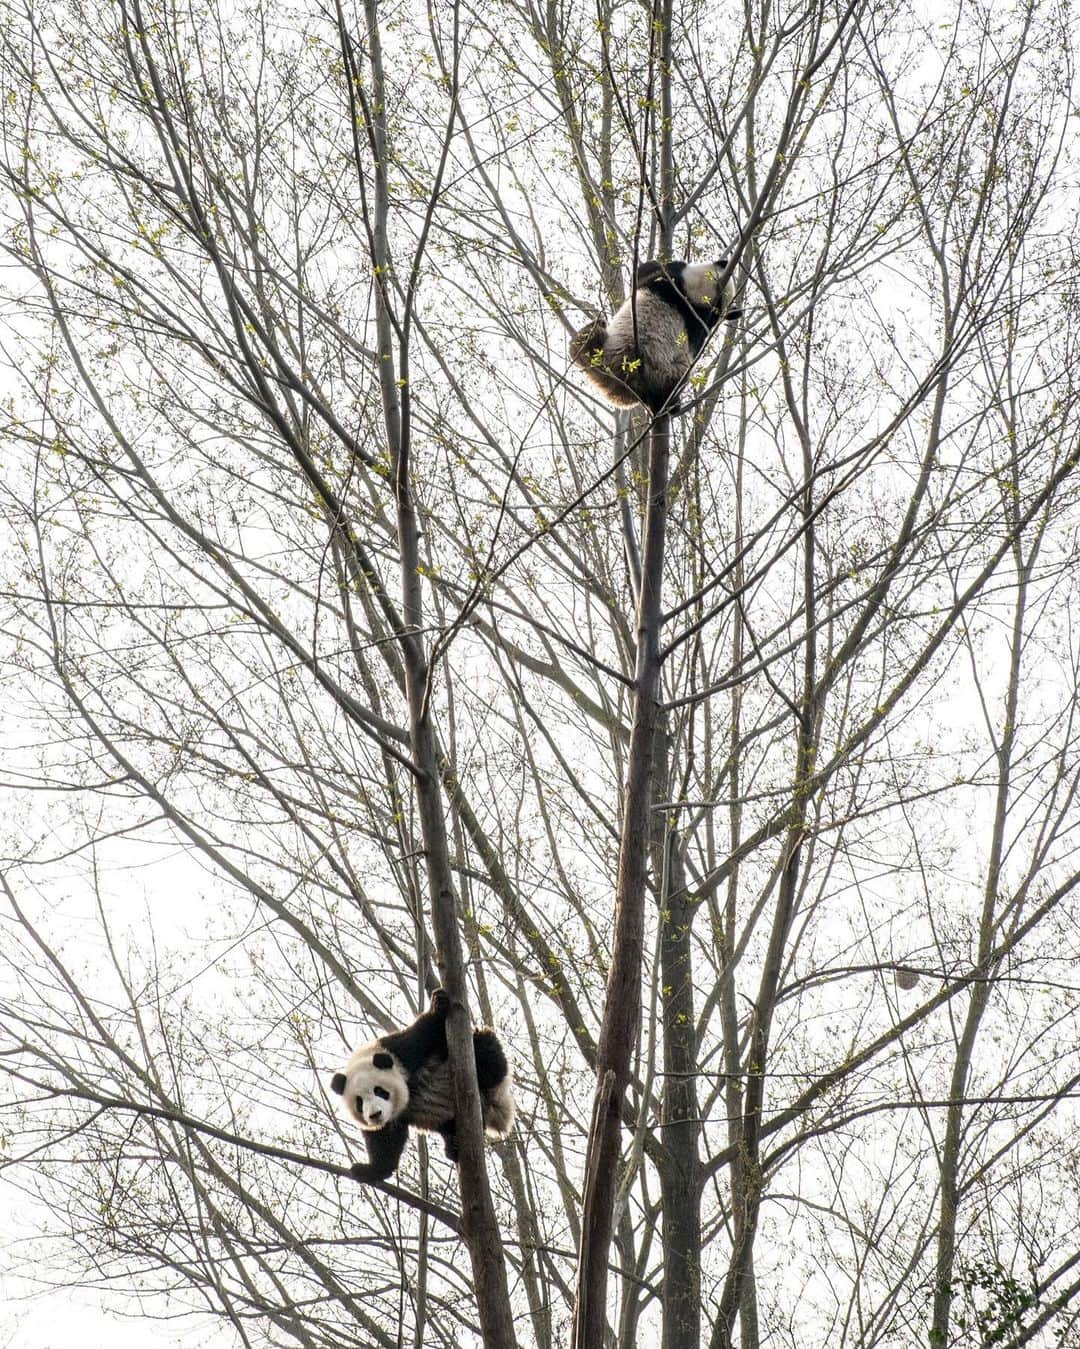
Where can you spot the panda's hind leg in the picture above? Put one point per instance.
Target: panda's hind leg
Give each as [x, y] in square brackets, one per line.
[588, 349]
[663, 402]
[448, 1133]
[587, 344]
[491, 1065]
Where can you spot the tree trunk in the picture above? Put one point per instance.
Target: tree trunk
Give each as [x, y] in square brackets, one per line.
[622, 1006]
[680, 1119]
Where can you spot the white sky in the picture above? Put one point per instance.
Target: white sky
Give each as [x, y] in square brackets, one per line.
[36, 1317]
[60, 1319]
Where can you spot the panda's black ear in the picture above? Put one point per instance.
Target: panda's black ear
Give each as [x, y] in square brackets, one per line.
[383, 1060]
[646, 272]
[337, 1084]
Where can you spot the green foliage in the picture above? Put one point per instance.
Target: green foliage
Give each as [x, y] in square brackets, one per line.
[995, 1301]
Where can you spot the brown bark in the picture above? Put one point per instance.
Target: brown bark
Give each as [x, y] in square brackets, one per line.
[622, 1006]
[479, 1225]
[952, 1147]
[679, 1167]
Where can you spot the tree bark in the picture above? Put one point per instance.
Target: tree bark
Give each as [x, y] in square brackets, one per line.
[478, 1221]
[680, 1124]
[679, 1165]
[952, 1147]
[622, 1006]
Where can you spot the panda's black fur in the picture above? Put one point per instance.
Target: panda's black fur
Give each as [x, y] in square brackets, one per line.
[404, 1078]
[645, 352]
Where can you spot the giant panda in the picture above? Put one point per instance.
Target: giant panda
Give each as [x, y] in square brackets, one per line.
[404, 1078]
[645, 352]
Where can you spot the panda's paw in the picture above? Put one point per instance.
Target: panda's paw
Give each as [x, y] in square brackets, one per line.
[452, 1150]
[367, 1172]
[440, 1002]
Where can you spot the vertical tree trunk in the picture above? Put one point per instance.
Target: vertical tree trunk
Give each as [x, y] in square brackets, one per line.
[980, 992]
[478, 1222]
[622, 1006]
[738, 1300]
[680, 1123]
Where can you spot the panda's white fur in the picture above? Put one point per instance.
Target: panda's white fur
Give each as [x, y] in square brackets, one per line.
[429, 1105]
[645, 352]
[403, 1080]
[363, 1080]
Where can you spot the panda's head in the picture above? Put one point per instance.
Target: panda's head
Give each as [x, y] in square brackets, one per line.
[373, 1087]
[700, 283]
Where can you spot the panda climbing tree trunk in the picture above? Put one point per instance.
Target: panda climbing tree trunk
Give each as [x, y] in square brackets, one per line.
[620, 1027]
[479, 1225]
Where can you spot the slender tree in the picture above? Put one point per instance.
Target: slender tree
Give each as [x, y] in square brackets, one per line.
[726, 762]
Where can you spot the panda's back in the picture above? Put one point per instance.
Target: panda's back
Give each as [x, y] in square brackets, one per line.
[662, 347]
[431, 1095]
[431, 1089]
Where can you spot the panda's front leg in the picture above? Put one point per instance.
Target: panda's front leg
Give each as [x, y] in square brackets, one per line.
[425, 1039]
[384, 1149]
[449, 1138]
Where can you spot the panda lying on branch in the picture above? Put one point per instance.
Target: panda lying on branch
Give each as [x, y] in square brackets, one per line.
[404, 1078]
[645, 353]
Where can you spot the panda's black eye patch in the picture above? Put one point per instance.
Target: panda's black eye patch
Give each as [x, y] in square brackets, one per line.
[382, 1093]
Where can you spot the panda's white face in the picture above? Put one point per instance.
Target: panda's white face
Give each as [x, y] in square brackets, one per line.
[701, 282]
[373, 1087]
